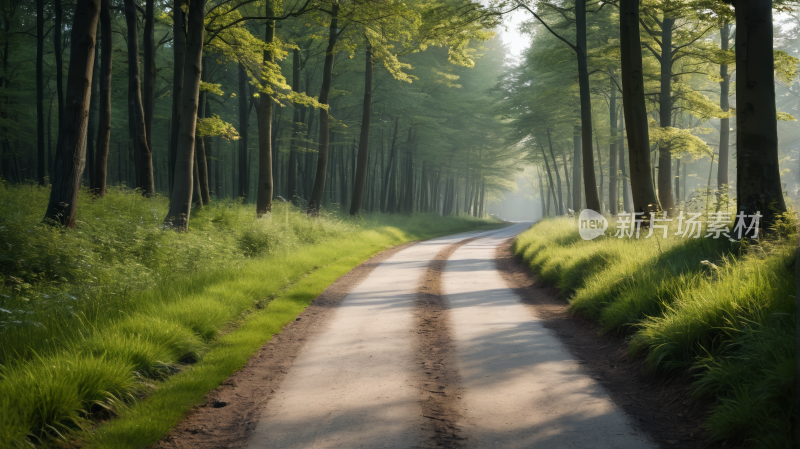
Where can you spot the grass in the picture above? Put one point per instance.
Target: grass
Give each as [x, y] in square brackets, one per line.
[95, 319]
[720, 310]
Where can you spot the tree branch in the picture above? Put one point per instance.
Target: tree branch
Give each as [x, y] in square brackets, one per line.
[574, 48]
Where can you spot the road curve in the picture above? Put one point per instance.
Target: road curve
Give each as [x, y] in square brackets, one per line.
[355, 385]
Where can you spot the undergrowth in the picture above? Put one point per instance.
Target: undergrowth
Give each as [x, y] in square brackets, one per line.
[94, 318]
[721, 310]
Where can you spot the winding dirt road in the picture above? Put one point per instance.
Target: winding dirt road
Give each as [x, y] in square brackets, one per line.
[426, 346]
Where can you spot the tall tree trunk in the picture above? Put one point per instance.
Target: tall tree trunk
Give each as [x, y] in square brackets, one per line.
[58, 53]
[623, 169]
[560, 202]
[149, 73]
[590, 184]
[104, 126]
[613, 184]
[577, 196]
[665, 116]
[178, 56]
[244, 124]
[265, 181]
[70, 151]
[644, 197]
[315, 201]
[550, 178]
[140, 148]
[201, 159]
[567, 181]
[40, 156]
[91, 128]
[180, 206]
[758, 180]
[363, 142]
[291, 188]
[724, 124]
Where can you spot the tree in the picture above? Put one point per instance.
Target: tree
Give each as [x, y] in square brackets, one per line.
[632, 75]
[181, 200]
[758, 181]
[70, 150]
[141, 150]
[104, 127]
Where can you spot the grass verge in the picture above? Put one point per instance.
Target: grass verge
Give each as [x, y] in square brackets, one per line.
[93, 320]
[720, 310]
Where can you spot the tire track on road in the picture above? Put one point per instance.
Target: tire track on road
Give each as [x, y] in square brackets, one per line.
[438, 378]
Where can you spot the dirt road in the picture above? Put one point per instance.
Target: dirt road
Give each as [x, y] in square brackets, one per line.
[424, 354]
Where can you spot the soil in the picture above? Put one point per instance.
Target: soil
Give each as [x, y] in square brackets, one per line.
[659, 405]
[246, 393]
[438, 377]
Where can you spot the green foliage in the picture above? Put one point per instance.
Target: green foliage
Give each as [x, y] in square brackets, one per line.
[722, 310]
[95, 317]
[215, 126]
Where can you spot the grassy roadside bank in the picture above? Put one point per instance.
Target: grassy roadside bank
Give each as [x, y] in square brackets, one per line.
[95, 319]
[720, 310]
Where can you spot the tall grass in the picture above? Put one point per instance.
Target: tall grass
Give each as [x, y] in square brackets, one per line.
[95, 317]
[718, 309]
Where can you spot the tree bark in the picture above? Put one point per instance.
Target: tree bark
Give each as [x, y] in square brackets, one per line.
[265, 181]
[178, 56]
[626, 185]
[70, 150]
[149, 72]
[104, 125]
[244, 124]
[91, 129]
[363, 142]
[58, 53]
[291, 187]
[724, 124]
[200, 153]
[644, 197]
[613, 184]
[589, 181]
[181, 202]
[665, 116]
[550, 178]
[40, 159]
[315, 201]
[560, 202]
[577, 195]
[140, 148]
[758, 180]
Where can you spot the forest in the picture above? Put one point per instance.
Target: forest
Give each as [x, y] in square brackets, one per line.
[174, 173]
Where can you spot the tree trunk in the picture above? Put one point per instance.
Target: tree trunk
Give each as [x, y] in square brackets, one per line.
[758, 180]
[644, 197]
[58, 51]
[181, 202]
[577, 196]
[623, 169]
[613, 185]
[665, 116]
[178, 56]
[363, 142]
[140, 148]
[315, 201]
[265, 181]
[244, 124]
[291, 187]
[550, 178]
[200, 153]
[70, 150]
[560, 201]
[40, 157]
[104, 126]
[91, 128]
[724, 124]
[149, 73]
[590, 184]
